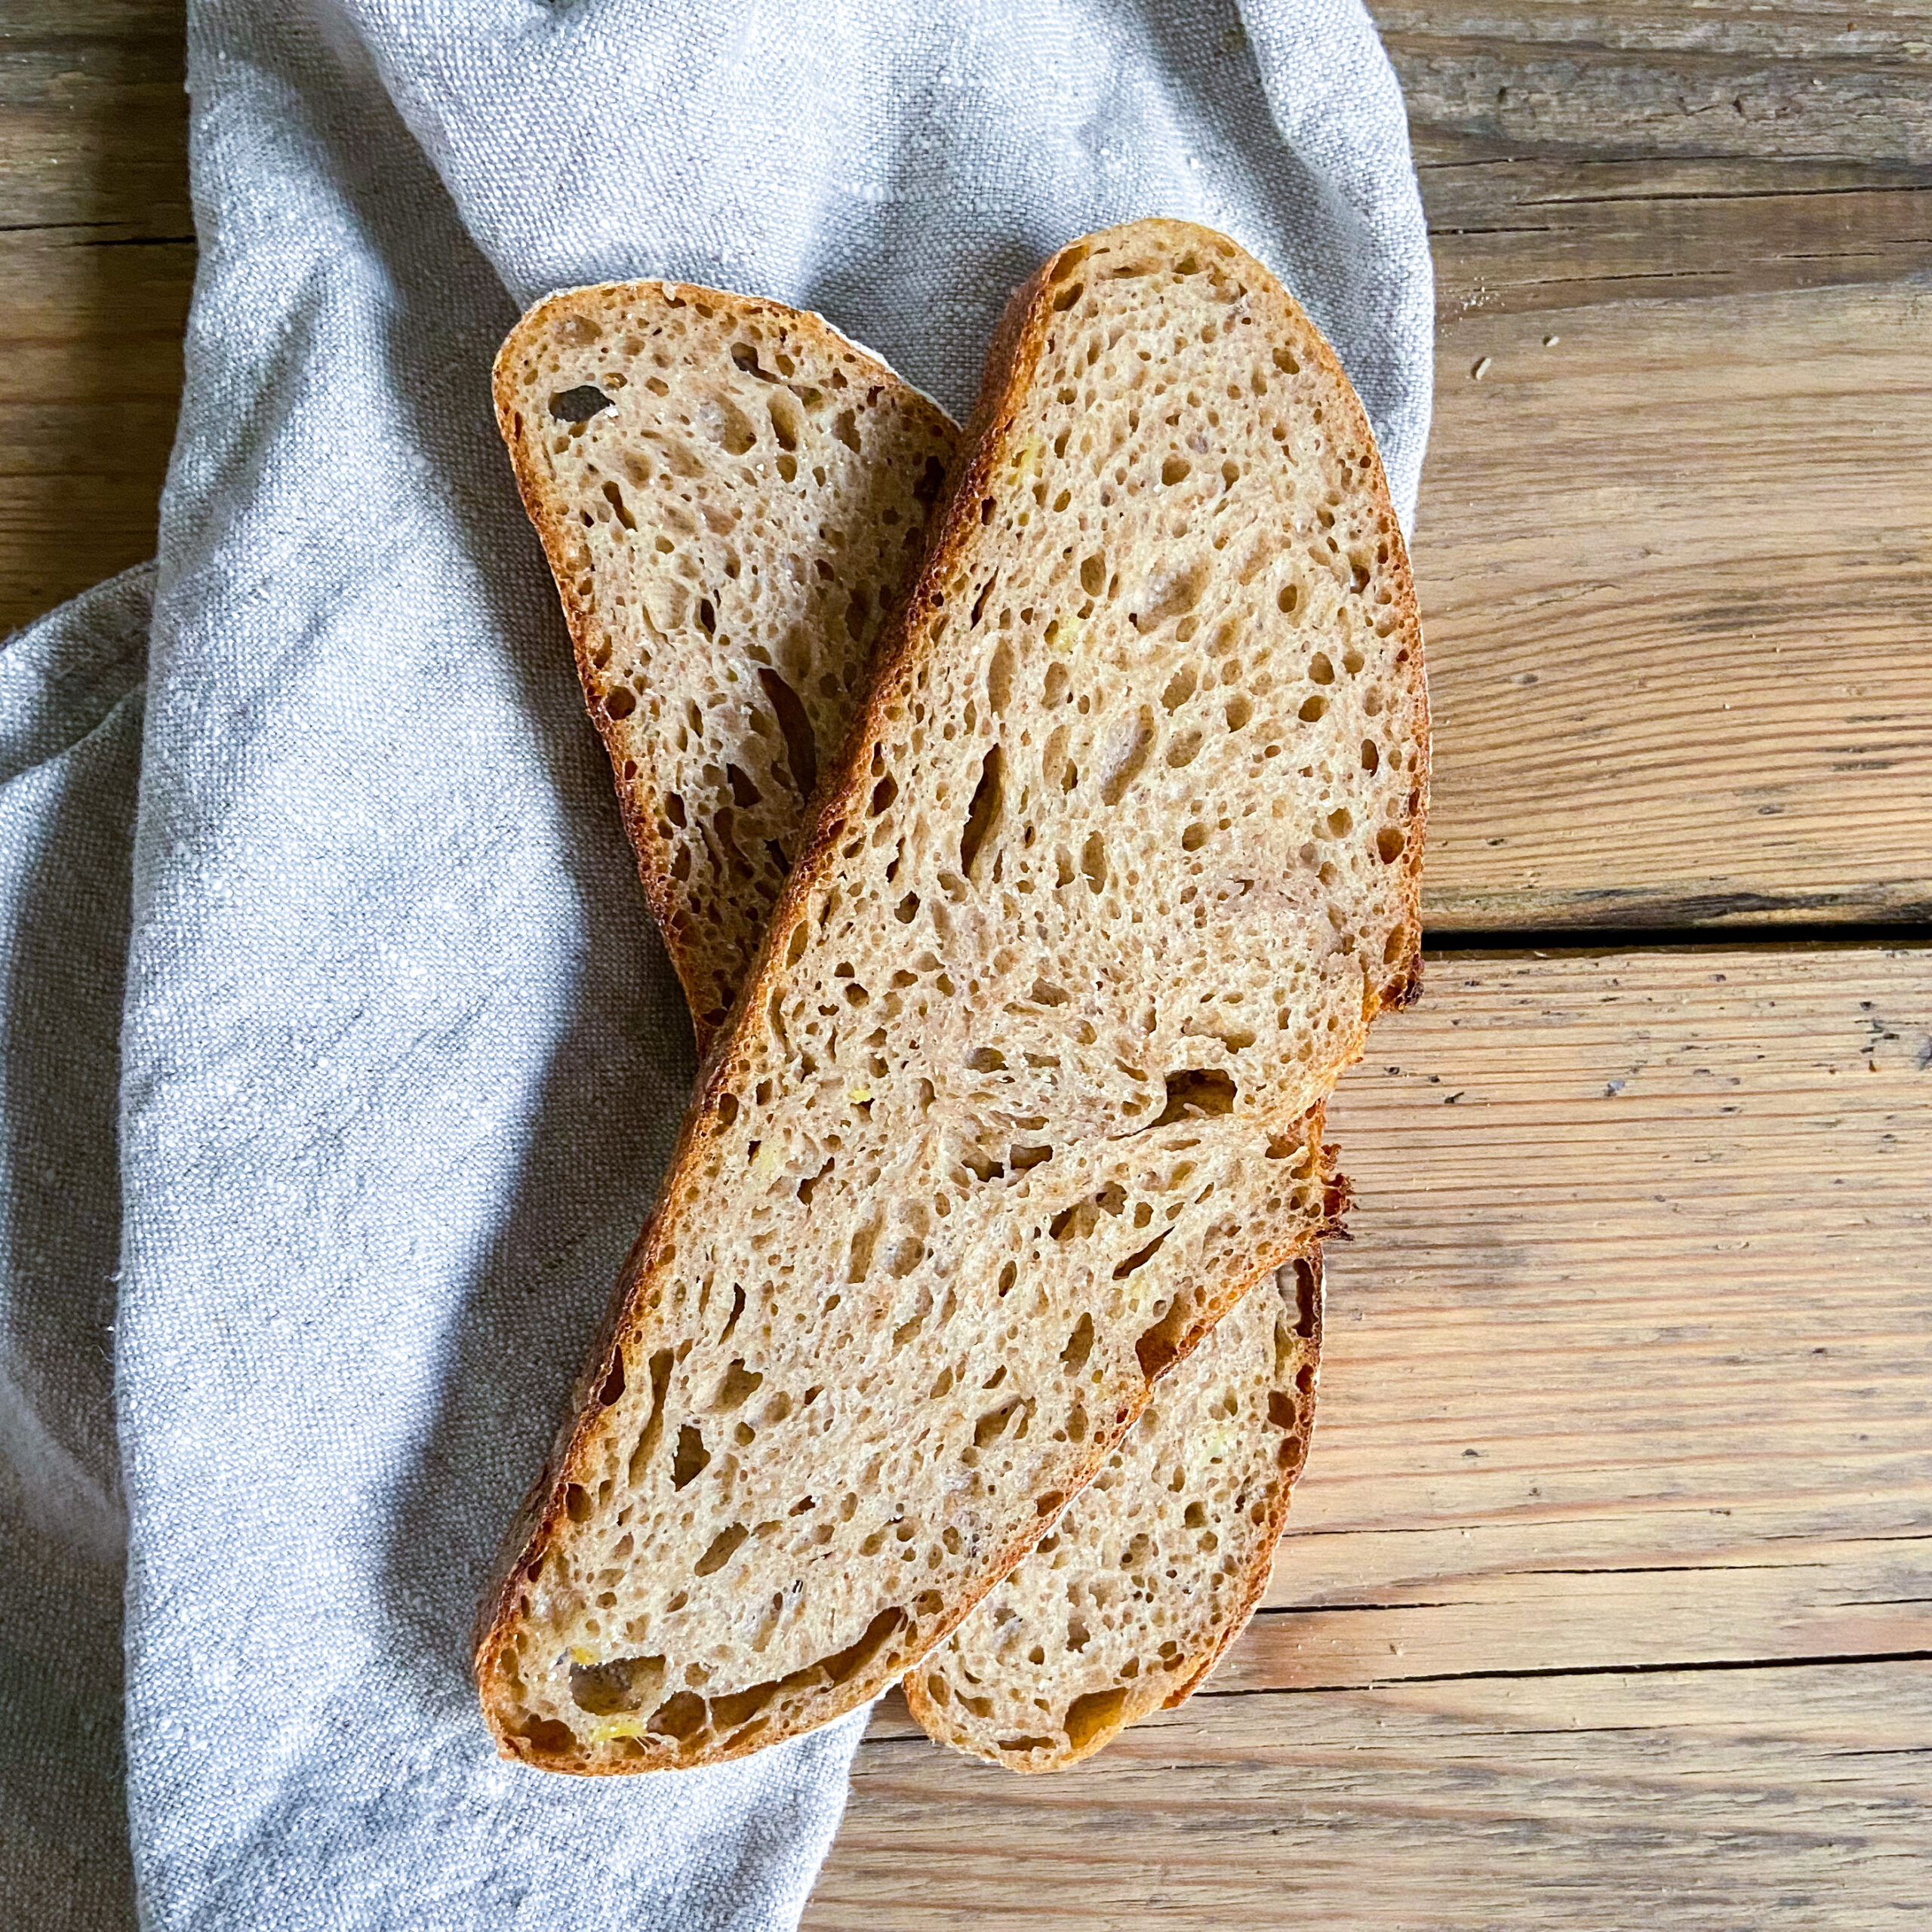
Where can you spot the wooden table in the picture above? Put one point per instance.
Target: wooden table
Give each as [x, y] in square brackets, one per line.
[1608, 1600]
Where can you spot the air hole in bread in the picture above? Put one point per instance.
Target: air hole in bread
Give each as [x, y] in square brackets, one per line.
[1197, 1093]
[795, 726]
[680, 1716]
[996, 1422]
[1140, 1256]
[722, 1547]
[1126, 755]
[579, 405]
[859, 1263]
[692, 1458]
[614, 497]
[1079, 1344]
[727, 425]
[858, 612]
[744, 356]
[982, 815]
[646, 1448]
[613, 1382]
[738, 1385]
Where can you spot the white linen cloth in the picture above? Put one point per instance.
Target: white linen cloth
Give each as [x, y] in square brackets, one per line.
[399, 1061]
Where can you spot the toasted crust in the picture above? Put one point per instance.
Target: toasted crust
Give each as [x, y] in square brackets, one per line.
[633, 1321]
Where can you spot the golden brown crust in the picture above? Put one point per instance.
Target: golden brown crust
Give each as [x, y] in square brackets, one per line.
[634, 1314]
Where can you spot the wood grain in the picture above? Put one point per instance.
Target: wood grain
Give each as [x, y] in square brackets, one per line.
[1628, 1369]
[1521, 235]
[96, 258]
[1576, 154]
[1748, 1801]
[1804, 79]
[1676, 567]
[93, 120]
[1676, 573]
[89, 377]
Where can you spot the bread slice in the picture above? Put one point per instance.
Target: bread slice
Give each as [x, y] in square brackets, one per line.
[1217, 1532]
[1024, 1085]
[732, 498]
[1157, 1565]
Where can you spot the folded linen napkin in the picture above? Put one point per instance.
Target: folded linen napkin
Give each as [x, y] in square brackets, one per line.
[399, 1061]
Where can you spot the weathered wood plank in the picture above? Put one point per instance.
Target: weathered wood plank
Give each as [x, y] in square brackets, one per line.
[1515, 236]
[1642, 1277]
[1704, 1801]
[1575, 155]
[1693, 509]
[1676, 573]
[90, 377]
[1805, 79]
[96, 258]
[94, 119]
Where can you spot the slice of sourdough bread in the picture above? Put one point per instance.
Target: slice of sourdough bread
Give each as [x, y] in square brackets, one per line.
[1156, 1567]
[1025, 1085]
[1119, 1642]
[732, 498]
